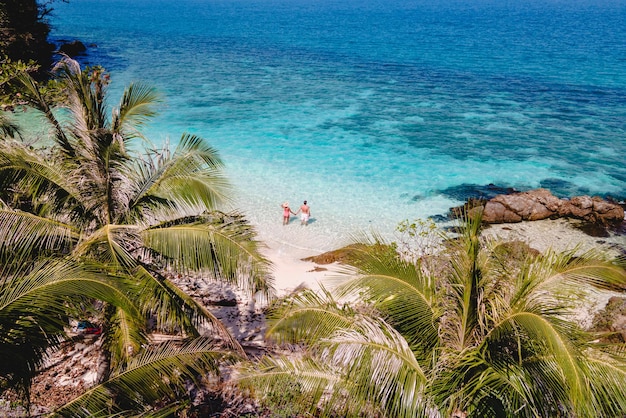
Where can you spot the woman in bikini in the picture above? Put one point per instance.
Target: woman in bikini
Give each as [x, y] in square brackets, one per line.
[286, 213]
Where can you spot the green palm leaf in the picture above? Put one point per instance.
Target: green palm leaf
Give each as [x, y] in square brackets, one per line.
[125, 336]
[50, 280]
[111, 245]
[225, 250]
[149, 377]
[308, 317]
[85, 96]
[607, 392]
[136, 107]
[296, 385]
[7, 127]
[350, 372]
[33, 96]
[34, 177]
[189, 181]
[34, 301]
[399, 290]
[381, 366]
[171, 308]
[23, 233]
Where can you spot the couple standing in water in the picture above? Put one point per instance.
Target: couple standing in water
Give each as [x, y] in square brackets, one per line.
[305, 213]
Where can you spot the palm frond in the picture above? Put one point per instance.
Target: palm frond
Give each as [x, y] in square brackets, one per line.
[34, 299]
[23, 233]
[189, 181]
[399, 290]
[172, 309]
[111, 245]
[227, 251]
[125, 336]
[381, 366]
[507, 373]
[591, 268]
[7, 127]
[33, 96]
[153, 375]
[137, 106]
[465, 281]
[33, 177]
[46, 281]
[350, 373]
[193, 146]
[549, 342]
[608, 397]
[86, 96]
[295, 385]
[307, 317]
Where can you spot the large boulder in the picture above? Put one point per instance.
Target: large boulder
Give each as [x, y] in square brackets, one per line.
[541, 204]
[73, 48]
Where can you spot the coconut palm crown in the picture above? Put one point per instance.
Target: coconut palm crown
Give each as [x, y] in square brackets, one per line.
[93, 196]
[471, 332]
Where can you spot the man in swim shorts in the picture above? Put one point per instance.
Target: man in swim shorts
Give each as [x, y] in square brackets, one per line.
[305, 213]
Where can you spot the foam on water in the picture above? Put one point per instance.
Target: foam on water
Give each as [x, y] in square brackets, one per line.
[375, 111]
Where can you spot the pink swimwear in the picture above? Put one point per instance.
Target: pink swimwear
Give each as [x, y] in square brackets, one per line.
[286, 212]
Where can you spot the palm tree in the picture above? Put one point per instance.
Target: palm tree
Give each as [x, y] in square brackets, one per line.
[483, 334]
[92, 196]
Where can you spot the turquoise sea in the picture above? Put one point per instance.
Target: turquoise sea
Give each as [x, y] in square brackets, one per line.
[375, 111]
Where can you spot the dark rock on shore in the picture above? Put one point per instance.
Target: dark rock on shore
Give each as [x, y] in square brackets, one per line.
[593, 229]
[73, 48]
[542, 204]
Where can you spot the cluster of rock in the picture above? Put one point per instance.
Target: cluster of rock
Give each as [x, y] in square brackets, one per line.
[73, 48]
[541, 204]
[66, 374]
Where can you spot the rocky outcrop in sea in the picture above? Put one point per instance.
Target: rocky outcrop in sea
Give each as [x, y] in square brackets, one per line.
[541, 204]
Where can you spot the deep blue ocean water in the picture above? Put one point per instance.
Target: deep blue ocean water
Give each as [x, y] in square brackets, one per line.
[376, 110]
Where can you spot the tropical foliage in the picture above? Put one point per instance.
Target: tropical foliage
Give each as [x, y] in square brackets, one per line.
[133, 387]
[91, 197]
[479, 330]
[36, 301]
[24, 32]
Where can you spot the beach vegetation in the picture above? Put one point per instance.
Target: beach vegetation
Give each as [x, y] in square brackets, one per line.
[137, 214]
[488, 330]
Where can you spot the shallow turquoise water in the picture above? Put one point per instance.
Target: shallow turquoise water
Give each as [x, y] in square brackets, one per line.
[376, 111]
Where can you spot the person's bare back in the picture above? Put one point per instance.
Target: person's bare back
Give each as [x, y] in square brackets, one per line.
[305, 213]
